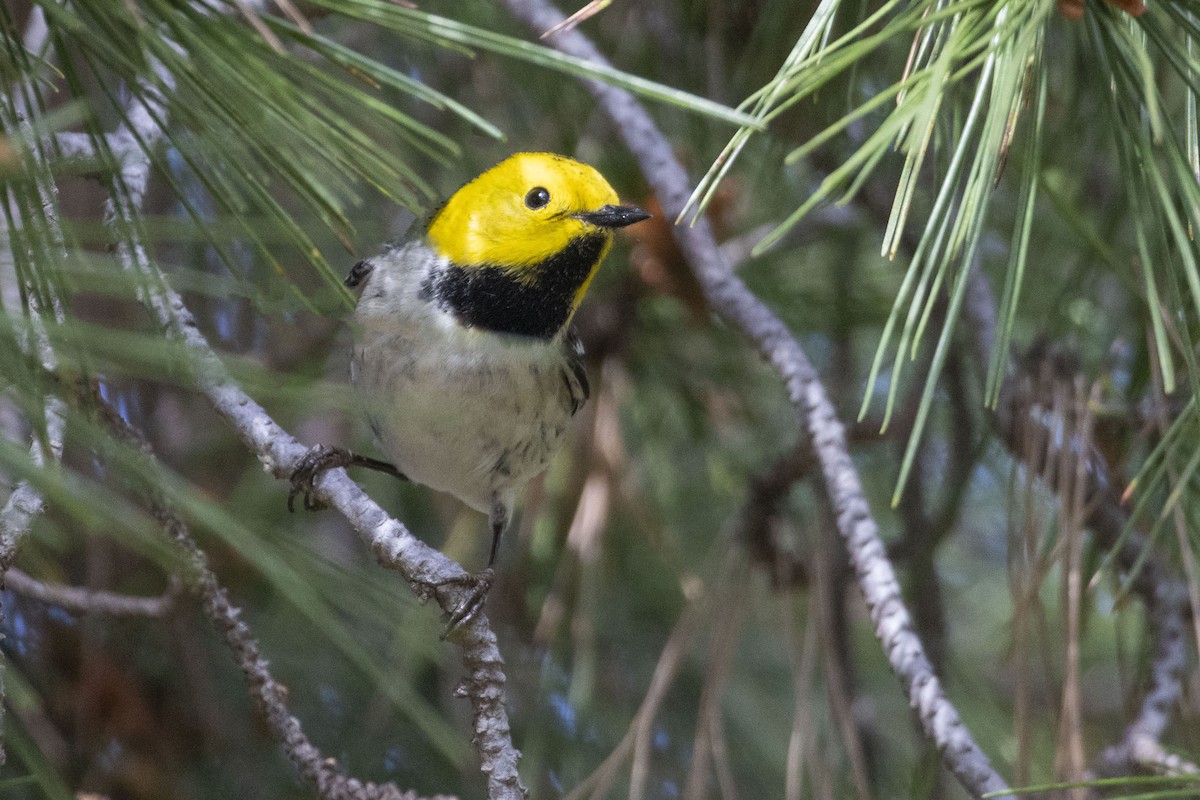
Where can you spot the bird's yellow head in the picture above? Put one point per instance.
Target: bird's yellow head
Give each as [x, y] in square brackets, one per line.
[527, 235]
[525, 210]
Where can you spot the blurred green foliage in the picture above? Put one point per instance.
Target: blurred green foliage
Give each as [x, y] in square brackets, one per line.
[280, 168]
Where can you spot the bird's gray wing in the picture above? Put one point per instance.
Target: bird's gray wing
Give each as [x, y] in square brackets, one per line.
[574, 372]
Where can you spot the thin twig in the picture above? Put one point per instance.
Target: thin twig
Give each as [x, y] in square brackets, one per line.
[1072, 406]
[635, 744]
[708, 747]
[78, 600]
[802, 657]
[754, 319]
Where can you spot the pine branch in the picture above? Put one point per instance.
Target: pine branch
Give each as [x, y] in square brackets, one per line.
[270, 696]
[129, 146]
[330, 782]
[748, 314]
[393, 545]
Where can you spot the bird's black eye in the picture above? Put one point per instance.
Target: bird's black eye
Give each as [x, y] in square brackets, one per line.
[537, 198]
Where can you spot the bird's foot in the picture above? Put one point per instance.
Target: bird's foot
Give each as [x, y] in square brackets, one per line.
[476, 585]
[318, 459]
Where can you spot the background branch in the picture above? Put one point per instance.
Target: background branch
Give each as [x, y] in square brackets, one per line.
[1163, 592]
[79, 600]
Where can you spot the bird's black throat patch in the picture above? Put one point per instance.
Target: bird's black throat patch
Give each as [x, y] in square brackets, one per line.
[493, 298]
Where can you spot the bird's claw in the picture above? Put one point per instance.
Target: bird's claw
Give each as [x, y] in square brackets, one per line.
[318, 459]
[477, 584]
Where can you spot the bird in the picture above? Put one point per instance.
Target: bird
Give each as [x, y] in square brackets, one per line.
[465, 359]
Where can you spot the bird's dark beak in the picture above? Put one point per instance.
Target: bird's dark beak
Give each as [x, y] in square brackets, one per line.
[613, 216]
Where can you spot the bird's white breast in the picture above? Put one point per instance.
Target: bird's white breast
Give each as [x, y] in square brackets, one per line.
[467, 411]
